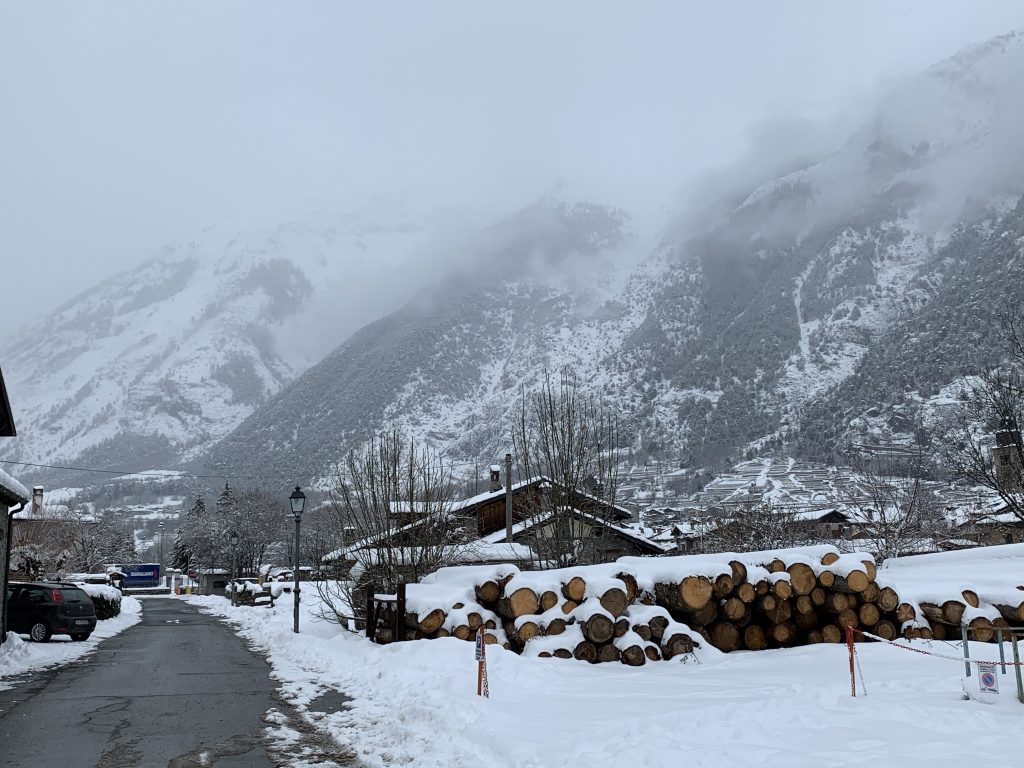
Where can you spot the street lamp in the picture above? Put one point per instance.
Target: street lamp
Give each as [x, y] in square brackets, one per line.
[233, 538]
[298, 502]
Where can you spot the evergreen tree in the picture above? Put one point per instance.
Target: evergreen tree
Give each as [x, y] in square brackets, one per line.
[226, 501]
[183, 555]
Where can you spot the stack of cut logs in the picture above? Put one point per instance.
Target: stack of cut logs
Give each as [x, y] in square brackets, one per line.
[619, 612]
[947, 619]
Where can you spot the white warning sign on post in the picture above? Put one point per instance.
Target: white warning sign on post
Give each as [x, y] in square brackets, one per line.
[988, 680]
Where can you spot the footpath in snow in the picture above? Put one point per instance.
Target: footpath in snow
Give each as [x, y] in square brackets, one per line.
[415, 703]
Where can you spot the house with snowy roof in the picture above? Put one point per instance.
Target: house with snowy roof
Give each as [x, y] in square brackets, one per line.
[999, 526]
[482, 532]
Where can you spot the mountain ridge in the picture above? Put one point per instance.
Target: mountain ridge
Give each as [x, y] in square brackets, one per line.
[774, 319]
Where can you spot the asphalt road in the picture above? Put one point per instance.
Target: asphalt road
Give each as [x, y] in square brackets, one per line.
[176, 690]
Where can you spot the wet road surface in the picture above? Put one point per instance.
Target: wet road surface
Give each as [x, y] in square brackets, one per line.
[177, 690]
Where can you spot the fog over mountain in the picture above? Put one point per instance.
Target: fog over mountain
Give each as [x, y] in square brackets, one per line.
[136, 125]
[727, 338]
[733, 245]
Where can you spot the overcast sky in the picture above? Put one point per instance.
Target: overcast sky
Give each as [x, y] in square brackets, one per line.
[128, 125]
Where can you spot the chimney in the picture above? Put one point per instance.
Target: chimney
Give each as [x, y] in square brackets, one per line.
[508, 498]
[495, 478]
[37, 501]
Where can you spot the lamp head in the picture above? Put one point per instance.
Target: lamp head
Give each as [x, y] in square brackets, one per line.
[298, 502]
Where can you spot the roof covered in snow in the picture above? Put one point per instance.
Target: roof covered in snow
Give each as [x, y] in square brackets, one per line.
[11, 491]
[623, 530]
[620, 512]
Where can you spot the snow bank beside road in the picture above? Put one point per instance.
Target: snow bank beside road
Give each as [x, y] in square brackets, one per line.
[18, 656]
[414, 704]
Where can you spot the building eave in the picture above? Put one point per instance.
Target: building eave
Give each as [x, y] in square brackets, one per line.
[7, 428]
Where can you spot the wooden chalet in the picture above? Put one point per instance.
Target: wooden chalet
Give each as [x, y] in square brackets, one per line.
[998, 527]
[483, 530]
[823, 524]
[592, 516]
[488, 509]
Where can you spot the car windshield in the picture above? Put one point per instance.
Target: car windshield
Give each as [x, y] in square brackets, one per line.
[74, 595]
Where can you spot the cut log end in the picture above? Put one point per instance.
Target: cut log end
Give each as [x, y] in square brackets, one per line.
[695, 592]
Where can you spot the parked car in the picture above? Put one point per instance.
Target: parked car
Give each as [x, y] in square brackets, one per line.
[42, 609]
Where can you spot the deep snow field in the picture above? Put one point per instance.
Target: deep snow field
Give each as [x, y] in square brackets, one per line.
[415, 703]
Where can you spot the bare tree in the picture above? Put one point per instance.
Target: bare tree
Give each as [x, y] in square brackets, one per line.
[65, 540]
[750, 527]
[982, 443]
[260, 520]
[96, 541]
[570, 438]
[392, 506]
[897, 509]
[323, 533]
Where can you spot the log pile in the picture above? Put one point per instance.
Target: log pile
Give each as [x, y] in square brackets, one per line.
[648, 609]
[947, 619]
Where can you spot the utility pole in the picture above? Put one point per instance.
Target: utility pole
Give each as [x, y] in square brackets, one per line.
[160, 525]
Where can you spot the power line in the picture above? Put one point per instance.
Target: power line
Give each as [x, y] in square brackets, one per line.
[150, 472]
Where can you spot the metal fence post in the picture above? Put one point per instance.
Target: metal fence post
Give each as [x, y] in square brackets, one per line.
[371, 619]
[1002, 653]
[400, 613]
[967, 651]
[1016, 669]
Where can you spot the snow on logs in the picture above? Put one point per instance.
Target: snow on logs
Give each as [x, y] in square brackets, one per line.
[939, 595]
[638, 610]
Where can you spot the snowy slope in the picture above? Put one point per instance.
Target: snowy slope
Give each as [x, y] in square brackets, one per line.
[726, 336]
[551, 284]
[786, 319]
[157, 363]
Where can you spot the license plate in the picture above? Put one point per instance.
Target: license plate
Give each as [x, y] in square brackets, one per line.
[81, 621]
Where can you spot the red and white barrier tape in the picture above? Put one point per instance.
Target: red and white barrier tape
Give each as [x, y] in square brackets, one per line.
[961, 659]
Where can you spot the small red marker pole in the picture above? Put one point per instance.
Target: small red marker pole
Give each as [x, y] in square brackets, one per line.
[849, 645]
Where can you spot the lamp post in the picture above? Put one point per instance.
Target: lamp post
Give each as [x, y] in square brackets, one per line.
[160, 525]
[233, 538]
[298, 502]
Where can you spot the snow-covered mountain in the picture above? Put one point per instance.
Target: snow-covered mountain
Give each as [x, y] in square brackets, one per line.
[156, 364]
[733, 335]
[804, 309]
[551, 284]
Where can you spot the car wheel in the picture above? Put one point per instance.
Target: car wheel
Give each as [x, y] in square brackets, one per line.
[40, 632]
[79, 636]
